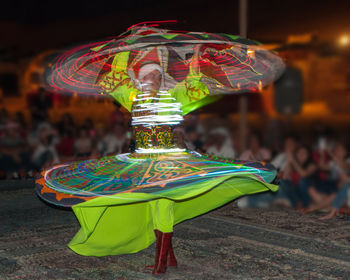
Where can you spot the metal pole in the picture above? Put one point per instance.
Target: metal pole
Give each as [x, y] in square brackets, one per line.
[243, 9]
[243, 100]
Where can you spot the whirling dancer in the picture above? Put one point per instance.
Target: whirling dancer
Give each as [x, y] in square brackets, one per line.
[126, 202]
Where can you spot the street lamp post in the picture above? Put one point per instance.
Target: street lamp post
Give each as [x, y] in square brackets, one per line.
[243, 100]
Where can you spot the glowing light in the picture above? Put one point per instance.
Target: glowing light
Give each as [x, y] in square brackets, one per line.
[344, 40]
[152, 120]
[251, 53]
[151, 151]
[152, 23]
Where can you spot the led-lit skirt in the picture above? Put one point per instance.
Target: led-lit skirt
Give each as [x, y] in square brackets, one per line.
[120, 200]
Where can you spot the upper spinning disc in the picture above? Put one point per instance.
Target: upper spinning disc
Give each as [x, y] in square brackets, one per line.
[228, 63]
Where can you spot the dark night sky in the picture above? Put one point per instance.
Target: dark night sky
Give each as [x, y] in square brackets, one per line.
[33, 26]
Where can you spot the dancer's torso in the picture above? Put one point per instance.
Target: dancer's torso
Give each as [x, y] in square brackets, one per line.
[154, 116]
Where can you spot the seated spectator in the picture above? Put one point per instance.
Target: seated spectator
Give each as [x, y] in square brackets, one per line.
[220, 143]
[65, 146]
[325, 189]
[255, 150]
[83, 144]
[317, 154]
[341, 198]
[297, 166]
[40, 105]
[116, 117]
[89, 124]
[299, 170]
[280, 161]
[179, 139]
[192, 139]
[14, 155]
[115, 141]
[19, 118]
[193, 121]
[44, 147]
[100, 144]
[4, 118]
[65, 124]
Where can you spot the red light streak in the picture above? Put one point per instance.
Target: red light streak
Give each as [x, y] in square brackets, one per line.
[228, 61]
[152, 23]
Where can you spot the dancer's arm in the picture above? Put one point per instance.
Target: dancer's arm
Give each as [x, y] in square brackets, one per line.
[117, 82]
[191, 91]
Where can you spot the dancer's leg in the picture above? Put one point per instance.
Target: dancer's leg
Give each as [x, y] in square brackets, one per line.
[161, 264]
[156, 257]
[172, 258]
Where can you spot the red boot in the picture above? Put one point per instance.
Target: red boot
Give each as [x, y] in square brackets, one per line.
[172, 258]
[159, 246]
[163, 249]
[161, 264]
[158, 240]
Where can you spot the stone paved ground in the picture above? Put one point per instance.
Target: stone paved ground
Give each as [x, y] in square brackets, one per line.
[226, 244]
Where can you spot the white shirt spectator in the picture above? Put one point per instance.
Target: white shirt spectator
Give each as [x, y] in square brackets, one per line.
[262, 155]
[280, 161]
[113, 144]
[224, 150]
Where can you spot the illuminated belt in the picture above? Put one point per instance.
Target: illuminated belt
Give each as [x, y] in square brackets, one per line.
[153, 151]
[156, 111]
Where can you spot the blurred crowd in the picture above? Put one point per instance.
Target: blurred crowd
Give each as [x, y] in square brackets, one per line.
[313, 174]
[311, 177]
[26, 150]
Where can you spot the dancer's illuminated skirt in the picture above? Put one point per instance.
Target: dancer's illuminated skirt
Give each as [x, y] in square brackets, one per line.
[119, 200]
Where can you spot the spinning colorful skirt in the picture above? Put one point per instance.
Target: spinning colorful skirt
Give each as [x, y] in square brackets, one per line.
[126, 202]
